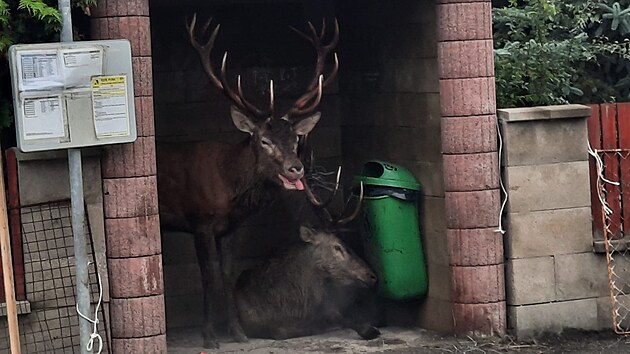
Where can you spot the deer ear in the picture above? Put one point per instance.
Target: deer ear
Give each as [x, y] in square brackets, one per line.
[242, 121]
[307, 234]
[307, 124]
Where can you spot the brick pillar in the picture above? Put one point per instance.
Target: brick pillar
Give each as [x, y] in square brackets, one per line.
[471, 174]
[130, 196]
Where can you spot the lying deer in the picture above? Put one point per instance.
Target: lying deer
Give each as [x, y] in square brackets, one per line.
[210, 188]
[294, 295]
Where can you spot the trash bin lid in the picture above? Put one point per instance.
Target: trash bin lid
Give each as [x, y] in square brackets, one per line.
[381, 173]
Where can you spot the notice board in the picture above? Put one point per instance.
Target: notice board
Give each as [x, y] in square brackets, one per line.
[72, 95]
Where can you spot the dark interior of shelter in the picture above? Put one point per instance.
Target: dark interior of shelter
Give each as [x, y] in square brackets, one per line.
[384, 104]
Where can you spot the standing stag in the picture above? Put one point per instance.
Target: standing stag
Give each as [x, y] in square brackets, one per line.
[210, 188]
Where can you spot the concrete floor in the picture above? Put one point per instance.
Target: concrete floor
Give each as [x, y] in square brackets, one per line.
[188, 341]
[406, 341]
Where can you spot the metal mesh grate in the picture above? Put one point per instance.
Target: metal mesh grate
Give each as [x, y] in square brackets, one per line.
[53, 324]
[614, 194]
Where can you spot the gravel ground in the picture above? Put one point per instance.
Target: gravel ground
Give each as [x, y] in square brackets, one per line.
[406, 341]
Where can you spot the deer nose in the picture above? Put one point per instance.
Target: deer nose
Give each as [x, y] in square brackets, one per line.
[296, 170]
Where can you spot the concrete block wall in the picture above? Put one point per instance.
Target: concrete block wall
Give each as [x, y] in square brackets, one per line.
[554, 281]
[182, 281]
[391, 111]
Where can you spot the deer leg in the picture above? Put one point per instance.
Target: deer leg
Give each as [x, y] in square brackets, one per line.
[229, 283]
[205, 247]
[363, 329]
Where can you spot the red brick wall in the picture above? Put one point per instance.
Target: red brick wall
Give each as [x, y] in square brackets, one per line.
[130, 196]
[470, 158]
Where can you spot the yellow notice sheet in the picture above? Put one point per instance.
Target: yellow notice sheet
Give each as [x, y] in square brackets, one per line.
[110, 105]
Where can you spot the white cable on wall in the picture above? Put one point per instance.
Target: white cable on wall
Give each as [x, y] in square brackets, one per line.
[503, 190]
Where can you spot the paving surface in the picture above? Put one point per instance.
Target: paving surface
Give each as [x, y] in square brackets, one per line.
[405, 341]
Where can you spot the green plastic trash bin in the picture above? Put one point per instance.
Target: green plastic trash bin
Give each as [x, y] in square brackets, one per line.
[390, 230]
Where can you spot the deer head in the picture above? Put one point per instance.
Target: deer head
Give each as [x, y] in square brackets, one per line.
[274, 138]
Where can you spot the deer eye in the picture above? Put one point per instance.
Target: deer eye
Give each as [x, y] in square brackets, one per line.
[339, 249]
[265, 142]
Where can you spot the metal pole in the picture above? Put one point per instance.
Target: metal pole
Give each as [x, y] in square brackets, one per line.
[66, 18]
[80, 244]
[78, 211]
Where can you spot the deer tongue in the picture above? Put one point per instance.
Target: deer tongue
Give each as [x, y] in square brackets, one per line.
[288, 184]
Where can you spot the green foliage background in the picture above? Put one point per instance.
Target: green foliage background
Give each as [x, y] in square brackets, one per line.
[26, 21]
[559, 51]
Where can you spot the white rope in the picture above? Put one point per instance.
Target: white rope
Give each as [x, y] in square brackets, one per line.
[503, 190]
[94, 321]
[600, 177]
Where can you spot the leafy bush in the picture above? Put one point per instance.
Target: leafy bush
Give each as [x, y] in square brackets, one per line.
[537, 49]
[610, 23]
[552, 52]
[25, 21]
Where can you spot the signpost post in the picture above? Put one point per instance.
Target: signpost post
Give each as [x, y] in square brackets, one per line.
[78, 211]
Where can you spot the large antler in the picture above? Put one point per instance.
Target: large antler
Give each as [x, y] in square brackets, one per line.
[204, 50]
[315, 88]
[322, 205]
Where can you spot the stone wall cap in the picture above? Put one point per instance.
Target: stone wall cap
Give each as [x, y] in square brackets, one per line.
[543, 112]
